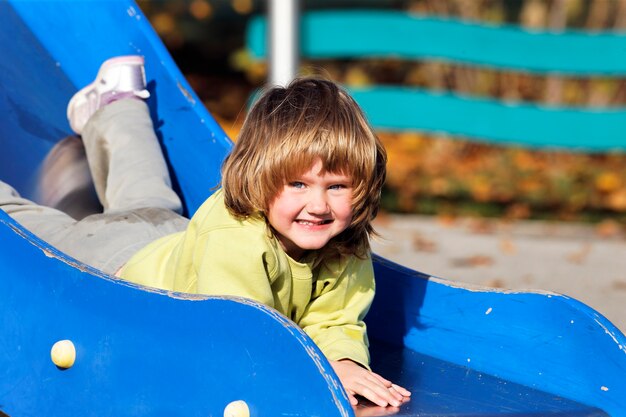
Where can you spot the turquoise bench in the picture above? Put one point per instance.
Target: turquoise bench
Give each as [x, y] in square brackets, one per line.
[388, 34]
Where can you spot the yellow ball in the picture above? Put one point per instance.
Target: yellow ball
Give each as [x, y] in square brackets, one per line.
[63, 354]
[237, 408]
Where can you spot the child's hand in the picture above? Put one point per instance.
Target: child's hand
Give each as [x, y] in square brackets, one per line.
[359, 381]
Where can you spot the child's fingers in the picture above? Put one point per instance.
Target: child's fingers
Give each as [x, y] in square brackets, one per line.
[403, 391]
[378, 380]
[377, 393]
[371, 378]
[376, 398]
[384, 381]
[396, 394]
[359, 381]
[396, 391]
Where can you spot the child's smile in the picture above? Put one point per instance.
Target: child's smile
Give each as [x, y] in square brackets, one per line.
[311, 210]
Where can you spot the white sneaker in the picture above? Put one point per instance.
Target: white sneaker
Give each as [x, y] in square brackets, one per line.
[119, 77]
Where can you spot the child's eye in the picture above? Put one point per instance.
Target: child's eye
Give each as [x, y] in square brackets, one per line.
[338, 187]
[296, 184]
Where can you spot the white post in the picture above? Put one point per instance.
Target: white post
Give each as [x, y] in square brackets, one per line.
[284, 40]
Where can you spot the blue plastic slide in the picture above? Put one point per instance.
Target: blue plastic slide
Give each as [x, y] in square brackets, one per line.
[139, 352]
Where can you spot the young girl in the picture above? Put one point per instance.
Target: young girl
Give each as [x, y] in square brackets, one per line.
[289, 227]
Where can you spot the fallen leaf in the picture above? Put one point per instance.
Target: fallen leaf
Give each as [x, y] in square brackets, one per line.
[473, 261]
[580, 256]
[446, 220]
[507, 246]
[481, 226]
[619, 285]
[608, 182]
[494, 283]
[422, 244]
[608, 228]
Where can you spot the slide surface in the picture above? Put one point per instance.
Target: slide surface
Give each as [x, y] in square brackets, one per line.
[462, 351]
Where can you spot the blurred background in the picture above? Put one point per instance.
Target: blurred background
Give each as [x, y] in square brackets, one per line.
[498, 216]
[429, 174]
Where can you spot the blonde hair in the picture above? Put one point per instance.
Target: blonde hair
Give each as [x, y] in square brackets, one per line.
[285, 133]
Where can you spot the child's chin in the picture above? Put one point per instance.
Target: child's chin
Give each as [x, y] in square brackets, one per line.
[306, 246]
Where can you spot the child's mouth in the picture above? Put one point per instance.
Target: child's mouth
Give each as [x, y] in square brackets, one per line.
[314, 222]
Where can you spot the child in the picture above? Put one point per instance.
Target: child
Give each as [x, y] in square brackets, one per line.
[289, 228]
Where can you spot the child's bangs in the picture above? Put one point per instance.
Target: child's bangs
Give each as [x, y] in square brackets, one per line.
[336, 155]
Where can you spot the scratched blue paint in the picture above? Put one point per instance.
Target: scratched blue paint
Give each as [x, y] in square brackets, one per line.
[548, 342]
[151, 353]
[448, 389]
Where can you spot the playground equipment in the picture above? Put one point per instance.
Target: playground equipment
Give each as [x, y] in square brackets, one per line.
[360, 34]
[142, 352]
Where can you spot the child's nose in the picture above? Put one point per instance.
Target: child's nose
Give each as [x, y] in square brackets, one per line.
[317, 203]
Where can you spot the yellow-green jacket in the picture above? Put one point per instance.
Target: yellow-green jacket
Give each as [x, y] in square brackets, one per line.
[220, 255]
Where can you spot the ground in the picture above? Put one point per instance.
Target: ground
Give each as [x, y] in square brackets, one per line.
[585, 262]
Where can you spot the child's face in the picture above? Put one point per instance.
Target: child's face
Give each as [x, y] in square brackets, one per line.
[311, 210]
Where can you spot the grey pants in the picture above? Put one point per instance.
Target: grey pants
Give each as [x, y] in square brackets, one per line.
[132, 183]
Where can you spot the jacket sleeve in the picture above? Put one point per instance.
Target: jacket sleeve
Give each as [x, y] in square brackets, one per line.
[334, 317]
